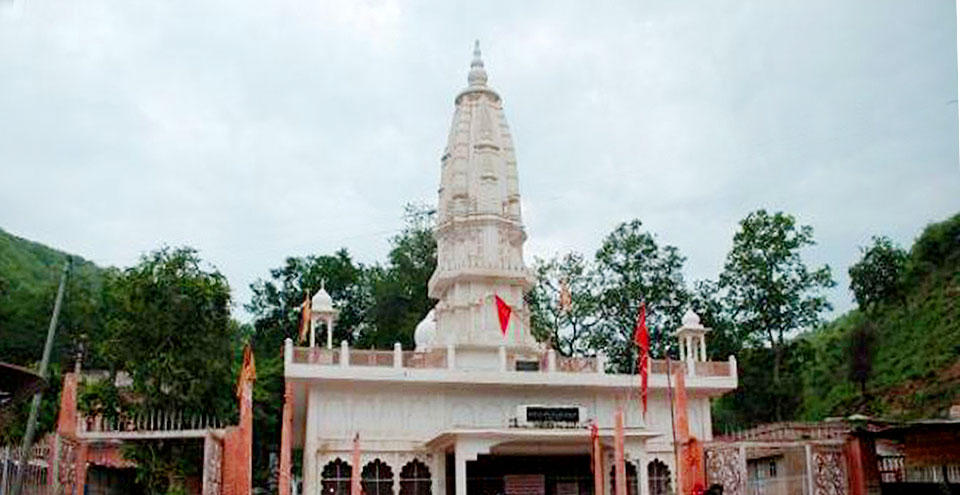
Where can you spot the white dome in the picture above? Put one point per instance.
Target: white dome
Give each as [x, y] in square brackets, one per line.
[322, 302]
[426, 332]
[691, 320]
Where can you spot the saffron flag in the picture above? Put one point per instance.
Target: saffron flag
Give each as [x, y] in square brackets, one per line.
[305, 317]
[642, 339]
[355, 468]
[503, 312]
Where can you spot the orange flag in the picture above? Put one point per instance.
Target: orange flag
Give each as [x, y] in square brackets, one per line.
[503, 312]
[355, 471]
[305, 317]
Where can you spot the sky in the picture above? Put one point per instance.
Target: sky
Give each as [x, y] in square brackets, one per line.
[255, 130]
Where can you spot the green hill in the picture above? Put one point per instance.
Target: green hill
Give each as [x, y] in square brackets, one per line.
[911, 344]
[29, 274]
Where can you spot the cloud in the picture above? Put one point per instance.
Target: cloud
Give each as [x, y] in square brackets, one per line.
[255, 131]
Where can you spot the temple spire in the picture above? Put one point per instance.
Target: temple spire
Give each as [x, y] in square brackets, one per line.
[478, 75]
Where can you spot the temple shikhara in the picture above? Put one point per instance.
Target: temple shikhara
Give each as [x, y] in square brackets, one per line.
[480, 407]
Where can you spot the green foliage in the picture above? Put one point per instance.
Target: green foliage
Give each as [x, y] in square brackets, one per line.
[29, 276]
[569, 332]
[379, 305]
[168, 326]
[914, 341]
[14, 421]
[878, 276]
[632, 269]
[163, 465]
[769, 291]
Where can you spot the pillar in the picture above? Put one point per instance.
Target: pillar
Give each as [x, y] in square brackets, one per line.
[286, 440]
[703, 348]
[330, 332]
[313, 330]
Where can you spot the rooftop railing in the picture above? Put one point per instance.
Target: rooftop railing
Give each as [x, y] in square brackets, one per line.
[510, 360]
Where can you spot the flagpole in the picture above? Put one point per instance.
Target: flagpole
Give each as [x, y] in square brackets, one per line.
[673, 425]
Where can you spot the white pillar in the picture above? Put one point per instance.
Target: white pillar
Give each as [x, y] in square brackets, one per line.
[643, 475]
[288, 351]
[551, 360]
[312, 330]
[601, 363]
[703, 348]
[344, 354]
[691, 353]
[397, 356]
[330, 332]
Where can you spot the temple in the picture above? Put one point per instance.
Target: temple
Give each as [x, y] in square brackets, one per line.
[475, 409]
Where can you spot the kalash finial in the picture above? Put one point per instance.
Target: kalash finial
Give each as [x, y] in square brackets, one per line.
[478, 75]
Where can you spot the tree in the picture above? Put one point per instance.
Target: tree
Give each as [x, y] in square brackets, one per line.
[878, 276]
[276, 302]
[861, 354]
[568, 331]
[168, 326]
[399, 289]
[276, 308]
[769, 289]
[633, 268]
[706, 300]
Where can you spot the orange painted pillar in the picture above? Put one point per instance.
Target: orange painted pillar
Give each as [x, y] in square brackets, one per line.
[597, 466]
[286, 439]
[620, 470]
[67, 416]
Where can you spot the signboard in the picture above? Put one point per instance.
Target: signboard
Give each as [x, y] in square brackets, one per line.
[567, 488]
[524, 484]
[528, 365]
[537, 414]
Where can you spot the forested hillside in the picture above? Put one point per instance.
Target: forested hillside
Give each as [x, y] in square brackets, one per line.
[29, 274]
[898, 354]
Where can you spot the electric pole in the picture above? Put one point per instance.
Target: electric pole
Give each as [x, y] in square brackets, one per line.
[38, 396]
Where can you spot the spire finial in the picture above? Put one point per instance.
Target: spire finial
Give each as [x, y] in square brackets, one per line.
[478, 75]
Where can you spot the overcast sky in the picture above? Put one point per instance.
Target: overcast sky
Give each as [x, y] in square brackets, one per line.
[257, 130]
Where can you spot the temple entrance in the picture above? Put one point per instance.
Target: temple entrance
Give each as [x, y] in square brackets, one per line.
[530, 475]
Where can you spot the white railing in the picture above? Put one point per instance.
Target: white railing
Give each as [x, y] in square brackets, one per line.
[510, 360]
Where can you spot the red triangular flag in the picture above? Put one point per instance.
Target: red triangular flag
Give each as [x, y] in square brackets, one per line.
[503, 312]
[642, 339]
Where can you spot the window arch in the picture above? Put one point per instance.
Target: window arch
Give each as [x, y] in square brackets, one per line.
[336, 478]
[377, 478]
[658, 478]
[415, 478]
[631, 478]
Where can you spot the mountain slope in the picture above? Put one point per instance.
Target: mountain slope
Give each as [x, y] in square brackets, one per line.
[913, 342]
[29, 275]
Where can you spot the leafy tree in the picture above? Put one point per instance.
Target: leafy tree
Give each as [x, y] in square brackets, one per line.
[878, 276]
[399, 289]
[706, 300]
[632, 268]
[569, 332]
[168, 326]
[771, 292]
[276, 302]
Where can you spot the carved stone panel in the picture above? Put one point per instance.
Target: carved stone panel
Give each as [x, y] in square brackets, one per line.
[727, 466]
